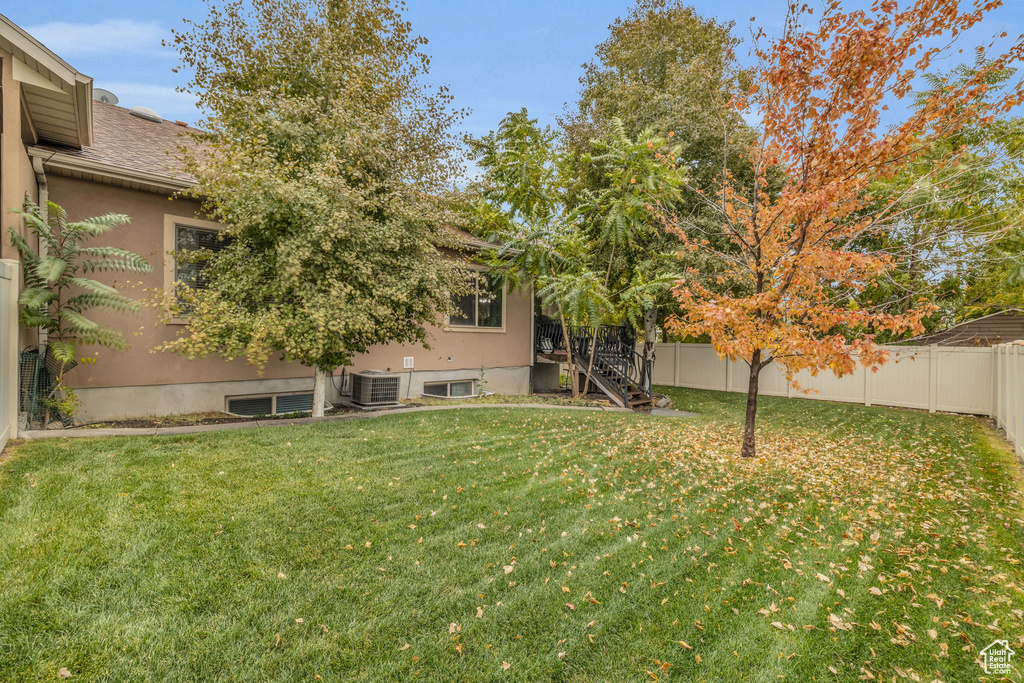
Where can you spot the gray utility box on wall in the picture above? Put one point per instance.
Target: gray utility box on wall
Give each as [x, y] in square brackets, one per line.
[375, 388]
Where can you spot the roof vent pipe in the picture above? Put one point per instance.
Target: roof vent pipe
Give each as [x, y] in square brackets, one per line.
[145, 113]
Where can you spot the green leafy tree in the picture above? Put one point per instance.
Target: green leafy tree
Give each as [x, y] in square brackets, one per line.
[666, 68]
[520, 205]
[58, 294]
[327, 160]
[665, 72]
[587, 251]
[954, 232]
[619, 218]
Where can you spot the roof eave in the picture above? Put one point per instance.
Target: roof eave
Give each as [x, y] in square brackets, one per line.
[15, 35]
[110, 172]
[54, 75]
[83, 105]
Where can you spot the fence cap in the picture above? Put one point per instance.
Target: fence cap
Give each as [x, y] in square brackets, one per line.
[8, 269]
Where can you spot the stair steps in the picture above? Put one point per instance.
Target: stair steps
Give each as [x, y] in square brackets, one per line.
[616, 370]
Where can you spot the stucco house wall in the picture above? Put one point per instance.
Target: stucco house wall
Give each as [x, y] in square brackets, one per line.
[17, 179]
[16, 176]
[93, 158]
[145, 381]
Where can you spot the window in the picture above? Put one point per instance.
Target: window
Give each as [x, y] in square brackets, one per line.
[460, 388]
[481, 308]
[188, 238]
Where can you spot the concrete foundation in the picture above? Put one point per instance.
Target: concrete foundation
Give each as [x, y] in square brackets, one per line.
[545, 377]
[111, 403]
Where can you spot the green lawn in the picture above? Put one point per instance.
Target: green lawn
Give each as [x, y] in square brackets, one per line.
[526, 545]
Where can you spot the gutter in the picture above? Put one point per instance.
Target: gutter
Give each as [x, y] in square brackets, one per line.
[74, 162]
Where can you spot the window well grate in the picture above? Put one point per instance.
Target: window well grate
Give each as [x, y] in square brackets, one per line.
[294, 403]
[259, 405]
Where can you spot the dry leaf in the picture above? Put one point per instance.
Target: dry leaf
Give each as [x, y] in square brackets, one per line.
[839, 623]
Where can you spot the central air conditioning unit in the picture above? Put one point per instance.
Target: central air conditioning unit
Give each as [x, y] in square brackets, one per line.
[375, 388]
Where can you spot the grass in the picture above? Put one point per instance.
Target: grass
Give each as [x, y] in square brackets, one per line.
[188, 419]
[526, 545]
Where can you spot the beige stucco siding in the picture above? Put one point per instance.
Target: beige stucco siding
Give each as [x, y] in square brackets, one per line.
[16, 176]
[143, 366]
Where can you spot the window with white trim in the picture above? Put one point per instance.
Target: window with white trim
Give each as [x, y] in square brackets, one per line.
[456, 388]
[483, 307]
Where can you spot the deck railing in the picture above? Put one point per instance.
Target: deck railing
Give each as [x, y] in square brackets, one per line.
[616, 360]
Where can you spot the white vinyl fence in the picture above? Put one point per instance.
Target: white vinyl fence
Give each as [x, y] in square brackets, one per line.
[976, 381]
[1008, 397]
[9, 282]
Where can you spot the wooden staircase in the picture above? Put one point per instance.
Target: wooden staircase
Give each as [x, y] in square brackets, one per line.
[617, 370]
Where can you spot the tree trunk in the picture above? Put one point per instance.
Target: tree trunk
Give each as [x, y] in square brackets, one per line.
[650, 336]
[749, 449]
[590, 363]
[319, 391]
[574, 384]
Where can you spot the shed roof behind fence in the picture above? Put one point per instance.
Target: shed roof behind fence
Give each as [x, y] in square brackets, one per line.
[997, 328]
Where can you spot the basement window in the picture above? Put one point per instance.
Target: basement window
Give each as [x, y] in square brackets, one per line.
[457, 388]
[270, 404]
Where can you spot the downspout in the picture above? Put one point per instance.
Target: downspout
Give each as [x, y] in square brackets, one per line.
[44, 196]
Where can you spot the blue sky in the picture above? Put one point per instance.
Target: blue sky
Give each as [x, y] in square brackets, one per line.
[496, 55]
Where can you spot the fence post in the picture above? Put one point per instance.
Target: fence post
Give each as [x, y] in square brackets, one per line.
[1000, 385]
[994, 381]
[867, 385]
[728, 374]
[676, 365]
[1004, 371]
[10, 281]
[1012, 400]
[1018, 415]
[933, 378]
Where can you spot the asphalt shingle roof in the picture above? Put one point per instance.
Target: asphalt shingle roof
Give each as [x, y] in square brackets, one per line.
[121, 139]
[128, 141]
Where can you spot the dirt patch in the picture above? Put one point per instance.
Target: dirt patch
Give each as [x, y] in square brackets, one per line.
[563, 398]
[195, 419]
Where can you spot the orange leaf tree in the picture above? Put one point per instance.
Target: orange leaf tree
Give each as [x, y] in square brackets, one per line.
[792, 241]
